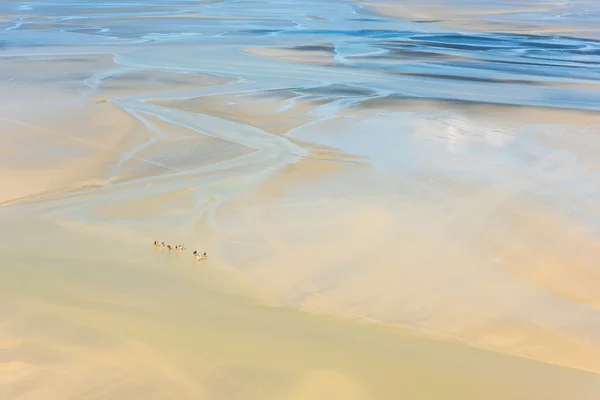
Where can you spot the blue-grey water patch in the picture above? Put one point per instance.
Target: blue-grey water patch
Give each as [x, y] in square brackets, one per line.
[399, 52]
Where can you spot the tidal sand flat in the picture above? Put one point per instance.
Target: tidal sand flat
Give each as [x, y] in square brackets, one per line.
[549, 17]
[393, 207]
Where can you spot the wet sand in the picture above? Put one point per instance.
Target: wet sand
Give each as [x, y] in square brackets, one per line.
[391, 208]
[80, 321]
[548, 17]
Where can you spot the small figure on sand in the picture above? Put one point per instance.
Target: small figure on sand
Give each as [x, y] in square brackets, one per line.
[179, 248]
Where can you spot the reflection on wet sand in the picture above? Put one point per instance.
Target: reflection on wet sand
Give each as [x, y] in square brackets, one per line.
[353, 177]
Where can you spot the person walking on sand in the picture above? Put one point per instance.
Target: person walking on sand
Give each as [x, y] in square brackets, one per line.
[198, 257]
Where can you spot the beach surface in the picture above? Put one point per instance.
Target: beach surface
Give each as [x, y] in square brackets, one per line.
[398, 201]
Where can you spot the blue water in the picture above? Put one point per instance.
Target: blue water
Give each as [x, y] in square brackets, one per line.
[510, 68]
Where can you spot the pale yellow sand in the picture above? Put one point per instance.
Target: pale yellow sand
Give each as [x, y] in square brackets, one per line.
[509, 271]
[301, 54]
[87, 140]
[267, 111]
[91, 310]
[489, 16]
[73, 138]
[83, 322]
[137, 82]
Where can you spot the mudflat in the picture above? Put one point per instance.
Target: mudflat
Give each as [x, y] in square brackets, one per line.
[392, 206]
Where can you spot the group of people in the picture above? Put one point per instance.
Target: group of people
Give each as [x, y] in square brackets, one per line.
[180, 247]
